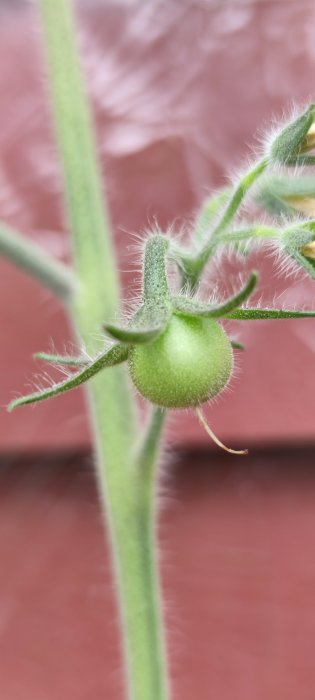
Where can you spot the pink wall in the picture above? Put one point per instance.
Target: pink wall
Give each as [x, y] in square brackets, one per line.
[237, 542]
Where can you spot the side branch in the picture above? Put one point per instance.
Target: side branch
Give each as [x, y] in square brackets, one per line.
[30, 258]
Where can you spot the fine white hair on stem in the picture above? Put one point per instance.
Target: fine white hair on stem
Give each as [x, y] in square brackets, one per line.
[285, 264]
[273, 128]
[69, 349]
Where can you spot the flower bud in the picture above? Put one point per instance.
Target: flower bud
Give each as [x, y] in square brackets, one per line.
[295, 139]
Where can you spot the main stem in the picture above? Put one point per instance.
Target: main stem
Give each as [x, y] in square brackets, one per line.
[144, 612]
[126, 486]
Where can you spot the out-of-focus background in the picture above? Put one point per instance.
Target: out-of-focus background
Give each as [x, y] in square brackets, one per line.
[180, 91]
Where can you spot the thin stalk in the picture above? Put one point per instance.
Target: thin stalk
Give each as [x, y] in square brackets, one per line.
[247, 234]
[251, 233]
[193, 267]
[238, 195]
[32, 259]
[208, 211]
[112, 410]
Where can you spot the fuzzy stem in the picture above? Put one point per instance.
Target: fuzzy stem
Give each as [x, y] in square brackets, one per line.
[133, 530]
[86, 212]
[247, 234]
[129, 509]
[155, 286]
[193, 268]
[238, 195]
[30, 258]
[148, 650]
[208, 211]
[252, 233]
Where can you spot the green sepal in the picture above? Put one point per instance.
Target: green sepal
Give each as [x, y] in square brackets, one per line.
[287, 148]
[301, 160]
[304, 262]
[310, 265]
[114, 356]
[259, 314]
[65, 360]
[237, 346]
[297, 241]
[309, 225]
[147, 324]
[133, 336]
[184, 305]
[296, 237]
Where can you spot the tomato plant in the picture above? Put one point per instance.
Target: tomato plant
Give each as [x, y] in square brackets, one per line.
[174, 347]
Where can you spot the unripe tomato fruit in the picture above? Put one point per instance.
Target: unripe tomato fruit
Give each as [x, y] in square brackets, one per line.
[190, 362]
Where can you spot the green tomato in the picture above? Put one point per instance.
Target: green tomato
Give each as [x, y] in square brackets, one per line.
[189, 363]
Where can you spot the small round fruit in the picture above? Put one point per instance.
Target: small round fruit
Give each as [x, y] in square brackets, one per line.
[189, 363]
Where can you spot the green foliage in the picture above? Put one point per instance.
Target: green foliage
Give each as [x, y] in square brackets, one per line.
[192, 307]
[112, 357]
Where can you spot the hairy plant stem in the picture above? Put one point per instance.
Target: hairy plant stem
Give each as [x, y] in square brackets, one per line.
[193, 267]
[29, 257]
[151, 643]
[126, 486]
[238, 195]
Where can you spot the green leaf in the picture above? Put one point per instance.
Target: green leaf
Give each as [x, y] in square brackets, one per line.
[133, 335]
[198, 308]
[114, 356]
[66, 360]
[301, 161]
[258, 314]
